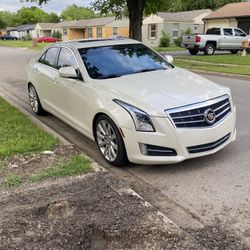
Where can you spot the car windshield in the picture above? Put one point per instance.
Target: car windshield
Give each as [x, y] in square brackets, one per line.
[118, 60]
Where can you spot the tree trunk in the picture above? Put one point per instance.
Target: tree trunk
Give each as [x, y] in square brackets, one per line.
[135, 9]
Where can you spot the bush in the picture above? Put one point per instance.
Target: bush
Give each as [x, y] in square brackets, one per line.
[28, 37]
[178, 41]
[165, 40]
[57, 34]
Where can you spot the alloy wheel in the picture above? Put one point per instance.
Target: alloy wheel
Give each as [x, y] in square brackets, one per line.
[33, 99]
[107, 140]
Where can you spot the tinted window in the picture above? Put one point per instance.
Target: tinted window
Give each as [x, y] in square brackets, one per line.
[239, 32]
[228, 32]
[42, 58]
[118, 60]
[66, 58]
[51, 57]
[213, 31]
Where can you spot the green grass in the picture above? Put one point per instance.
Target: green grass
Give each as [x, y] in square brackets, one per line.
[76, 165]
[227, 59]
[20, 135]
[166, 49]
[241, 70]
[22, 44]
[12, 181]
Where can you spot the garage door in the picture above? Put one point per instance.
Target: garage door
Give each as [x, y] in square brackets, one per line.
[244, 25]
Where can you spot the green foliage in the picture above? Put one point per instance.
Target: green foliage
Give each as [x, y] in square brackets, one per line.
[165, 39]
[76, 165]
[178, 41]
[74, 12]
[181, 5]
[18, 134]
[12, 181]
[57, 34]
[53, 18]
[8, 19]
[28, 37]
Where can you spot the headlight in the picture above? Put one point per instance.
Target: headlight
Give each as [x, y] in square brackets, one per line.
[141, 119]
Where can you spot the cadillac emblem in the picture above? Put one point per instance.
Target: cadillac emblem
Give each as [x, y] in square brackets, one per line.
[209, 116]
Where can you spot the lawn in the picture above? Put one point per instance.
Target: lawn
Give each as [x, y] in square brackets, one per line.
[239, 70]
[227, 59]
[20, 135]
[166, 49]
[22, 44]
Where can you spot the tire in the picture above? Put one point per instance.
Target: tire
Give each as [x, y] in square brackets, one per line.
[234, 51]
[193, 52]
[209, 49]
[35, 101]
[110, 142]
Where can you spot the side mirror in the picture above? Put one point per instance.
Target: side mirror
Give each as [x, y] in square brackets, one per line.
[68, 72]
[170, 59]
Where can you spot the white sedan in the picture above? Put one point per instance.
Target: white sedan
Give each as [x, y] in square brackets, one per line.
[133, 102]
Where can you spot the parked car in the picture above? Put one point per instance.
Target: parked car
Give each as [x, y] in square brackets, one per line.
[8, 37]
[47, 39]
[225, 38]
[134, 103]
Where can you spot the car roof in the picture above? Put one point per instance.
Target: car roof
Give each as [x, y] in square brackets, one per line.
[87, 43]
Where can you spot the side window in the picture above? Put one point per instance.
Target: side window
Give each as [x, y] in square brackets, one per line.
[50, 57]
[42, 58]
[152, 31]
[239, 32]
[213, 31]
[228, 32]
[66, 58]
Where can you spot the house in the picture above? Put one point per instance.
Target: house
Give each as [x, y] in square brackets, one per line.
[230, 15]
[22, 31]
[173, 24]
[92, 28]
[43, 29]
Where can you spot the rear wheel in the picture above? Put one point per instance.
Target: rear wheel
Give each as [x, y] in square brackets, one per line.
[35, 101]
[234, 51]
[209, 49]
[110, 142]
[193, 51]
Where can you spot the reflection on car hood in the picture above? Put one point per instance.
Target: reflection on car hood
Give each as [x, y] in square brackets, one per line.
[156, 91]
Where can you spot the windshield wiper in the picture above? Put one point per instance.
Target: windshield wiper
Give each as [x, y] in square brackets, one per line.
[148, 70]
[111, 76]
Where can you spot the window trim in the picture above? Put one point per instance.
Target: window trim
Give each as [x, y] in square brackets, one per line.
[90, 28]
[150, 31]
[45, 53]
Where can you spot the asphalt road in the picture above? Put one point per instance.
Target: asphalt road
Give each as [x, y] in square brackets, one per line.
[213, 190]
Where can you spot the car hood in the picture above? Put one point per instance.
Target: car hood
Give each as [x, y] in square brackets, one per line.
[157, 91]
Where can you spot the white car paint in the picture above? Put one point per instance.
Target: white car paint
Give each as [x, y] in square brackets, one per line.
[78, 102]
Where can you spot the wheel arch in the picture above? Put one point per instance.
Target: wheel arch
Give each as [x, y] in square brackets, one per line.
[212, 42]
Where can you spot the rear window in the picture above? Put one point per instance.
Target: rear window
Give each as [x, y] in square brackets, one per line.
[118, 60]
[213, 31]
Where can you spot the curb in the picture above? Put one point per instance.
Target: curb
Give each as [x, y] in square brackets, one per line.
[240, 77]
[124, 189]
[33, 118]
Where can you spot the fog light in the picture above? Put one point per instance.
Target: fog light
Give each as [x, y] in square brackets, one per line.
[143, 148]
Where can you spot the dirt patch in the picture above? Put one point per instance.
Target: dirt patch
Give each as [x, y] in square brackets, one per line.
[27, 165]
[84, 213]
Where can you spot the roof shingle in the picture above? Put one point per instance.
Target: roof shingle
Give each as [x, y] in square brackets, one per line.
[231, 10]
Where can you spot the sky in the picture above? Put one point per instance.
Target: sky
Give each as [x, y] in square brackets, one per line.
[53, 6]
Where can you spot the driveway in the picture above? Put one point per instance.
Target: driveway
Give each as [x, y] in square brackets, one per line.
[199, 193]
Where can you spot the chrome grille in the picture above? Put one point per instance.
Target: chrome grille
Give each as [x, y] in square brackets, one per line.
[194, 115]
[208, 146]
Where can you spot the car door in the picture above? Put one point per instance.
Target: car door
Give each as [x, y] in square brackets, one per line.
[228, 39]
[46, 71]
[240, 37]
[73, 96]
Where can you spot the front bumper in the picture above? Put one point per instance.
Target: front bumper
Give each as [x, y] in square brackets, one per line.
[177, 138]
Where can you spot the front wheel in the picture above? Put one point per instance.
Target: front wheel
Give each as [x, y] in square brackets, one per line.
[193, 52]
[35, 101]
[209, 49]
[110, 142]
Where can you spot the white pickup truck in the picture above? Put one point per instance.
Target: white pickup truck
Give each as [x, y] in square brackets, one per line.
[222, 38]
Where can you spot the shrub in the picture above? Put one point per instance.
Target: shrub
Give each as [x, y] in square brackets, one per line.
[178, 41]
[165, 40]
[57, 34]
[28, 37]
